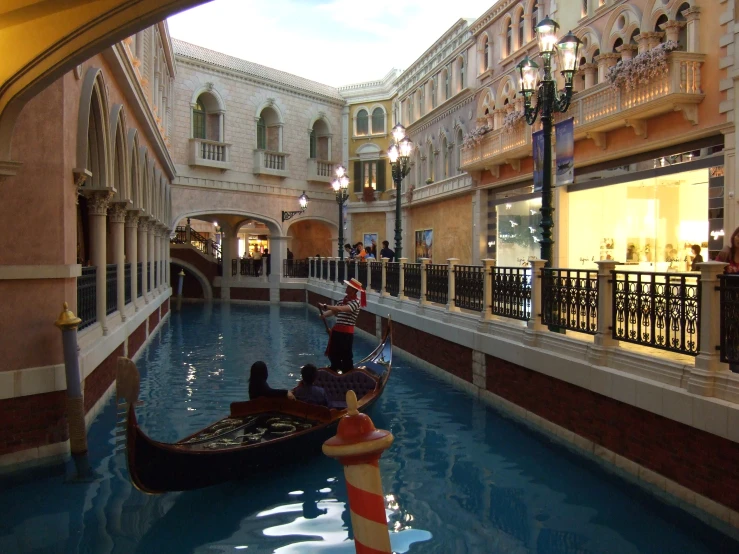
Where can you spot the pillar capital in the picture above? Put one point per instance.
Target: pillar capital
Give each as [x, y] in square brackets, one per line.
[98, 201]
[117, 212]
[132, 218]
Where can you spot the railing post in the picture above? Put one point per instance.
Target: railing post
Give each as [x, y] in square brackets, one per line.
[709, 357]
[604, 333]
[188, 231]
[487, 291]
[383, 287]
[537, 306]
[369, 275]
[319, 267]
[401, 278]
[424, 281]
[450, 305]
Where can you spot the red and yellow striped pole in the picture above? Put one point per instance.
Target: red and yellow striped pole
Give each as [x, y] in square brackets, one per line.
[359, 446]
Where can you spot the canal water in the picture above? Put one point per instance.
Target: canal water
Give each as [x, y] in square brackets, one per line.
[459, 477]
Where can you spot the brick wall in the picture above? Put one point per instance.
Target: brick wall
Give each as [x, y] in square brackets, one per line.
[32, 421]
[101, 378]
[136, 339]
[706, 464]
[249, 294]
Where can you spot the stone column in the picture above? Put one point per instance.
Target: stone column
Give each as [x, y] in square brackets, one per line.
[693, 17]
[401, 278]
[604, 334]
[158, 256]
[498, 117]
[450, 305]
[537, 305]
[143, 255]
[167, 258]
[424, 282]
[97, 208]
[590, 70]
[369, 275]
[606, 62]
[487, 289]
[163, 237]
[132, 223]
[117, 215]
[672, 29]
[627, 51]
[709, 358]
[151, 256]
[383, 285]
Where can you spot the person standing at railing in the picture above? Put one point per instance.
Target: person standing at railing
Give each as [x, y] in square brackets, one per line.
[257, 262]
[341, 336]
[730, 254]
[386, 252]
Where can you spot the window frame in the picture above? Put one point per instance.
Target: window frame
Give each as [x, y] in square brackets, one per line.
[356, 122]
[374, 131]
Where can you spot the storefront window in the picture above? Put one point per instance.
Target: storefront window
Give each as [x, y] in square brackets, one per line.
[518, 232]
[248, 244]
[650, 224]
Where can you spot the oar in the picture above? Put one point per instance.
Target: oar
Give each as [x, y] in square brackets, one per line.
[325, 322]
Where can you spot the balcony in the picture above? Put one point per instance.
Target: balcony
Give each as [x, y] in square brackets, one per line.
[451, 186]
[267, 162]
[320, 171]
[600, 109]
[210, 153]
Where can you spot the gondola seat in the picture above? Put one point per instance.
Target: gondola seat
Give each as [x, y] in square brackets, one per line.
[336, 386]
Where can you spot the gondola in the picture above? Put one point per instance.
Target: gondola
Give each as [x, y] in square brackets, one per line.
[257, 436]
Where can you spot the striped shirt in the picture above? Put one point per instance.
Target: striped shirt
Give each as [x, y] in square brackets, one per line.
[348, 318]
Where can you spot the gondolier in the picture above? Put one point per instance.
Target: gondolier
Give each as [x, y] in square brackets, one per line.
[341, 339]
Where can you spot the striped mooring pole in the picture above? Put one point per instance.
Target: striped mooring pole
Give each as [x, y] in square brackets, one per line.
[359, 446]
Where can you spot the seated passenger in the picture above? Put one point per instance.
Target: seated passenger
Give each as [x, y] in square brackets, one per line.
[258, 384]
[307, 391]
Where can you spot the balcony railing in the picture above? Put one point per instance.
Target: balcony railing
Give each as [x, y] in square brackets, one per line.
[376, 276]
[511, 292]
[270, 163]
[111, 288]
[570, 299]
[729, 298]
[127, 289]
[139, 280]
[295, 269]
[320, 171]
[498, 147]
[412, 281]
[392, 278]
[210, 153]
[87, 297]
[437, 287]
[468, 287]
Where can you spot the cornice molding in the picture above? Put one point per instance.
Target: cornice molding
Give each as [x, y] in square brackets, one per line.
[491, 15]
[424, 123]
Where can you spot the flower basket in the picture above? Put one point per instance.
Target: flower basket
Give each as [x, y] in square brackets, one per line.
[475, 137]
[642, 69]
[511, 120]
[429, 181]
[368, 194]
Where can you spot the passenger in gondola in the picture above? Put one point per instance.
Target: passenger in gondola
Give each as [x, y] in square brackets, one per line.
[258, 386]
[307, 391]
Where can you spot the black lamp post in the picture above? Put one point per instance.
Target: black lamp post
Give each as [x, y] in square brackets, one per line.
[400, 155]
[341, 188]
[548, 101]
[303, 200]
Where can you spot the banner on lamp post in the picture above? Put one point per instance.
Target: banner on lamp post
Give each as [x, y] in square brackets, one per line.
[565, 151]
[538, 145]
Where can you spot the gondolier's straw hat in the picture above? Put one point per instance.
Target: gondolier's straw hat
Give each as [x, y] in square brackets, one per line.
[353, 283]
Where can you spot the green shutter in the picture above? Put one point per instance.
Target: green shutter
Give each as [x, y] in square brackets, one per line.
[261, 134]
[357, 177]
[312, 145]
[381, 175]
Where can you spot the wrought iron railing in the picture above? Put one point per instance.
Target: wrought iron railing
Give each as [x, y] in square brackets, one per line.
[180, 235]
[127, 283]
[351, 270]
[729, 298]
[412, 280]
[468, 287]
[570, 299]
[250, 267]
[111, 288]
[392, 278]
[341, 271]
[87, 297]
[139, 279]
[155, 265]
[312, 268]
[511, 294]
[295, 269]
[363, 273]
[376, 276]
[437, 283]
[332, 271]
[661, 310]
[324, 269]
[234, 267]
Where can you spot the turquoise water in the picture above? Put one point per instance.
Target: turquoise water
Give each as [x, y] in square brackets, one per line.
[458, 479]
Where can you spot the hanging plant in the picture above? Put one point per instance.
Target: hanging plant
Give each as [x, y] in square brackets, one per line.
[368, 194]
[409, 193]
[641, 69]
[511, 120]
[473, 138]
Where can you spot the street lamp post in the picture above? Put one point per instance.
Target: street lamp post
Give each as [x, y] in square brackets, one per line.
[400, 155]
[341, 188]
[548, 101]
[303, 200]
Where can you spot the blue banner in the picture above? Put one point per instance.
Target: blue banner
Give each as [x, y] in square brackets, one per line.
[565, 151]
[538, 140]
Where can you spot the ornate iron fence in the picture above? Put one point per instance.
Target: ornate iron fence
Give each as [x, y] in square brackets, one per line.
[324, 268]
[295, 269]
[511, 294]
[376, 273]
[139, 280]
[437, 283]
[235, 266]
[392, 278]
[111, 288]
[180, 235]
[412, 280]
[312, 268]
[661, 310]
[363, 273]
[570, 299]
[87, 297]
[250, 267]
[468, 287]
[729, 295]
[341, 271]
[127, 283]
[332, 271]
[155, 267]
[351, 270]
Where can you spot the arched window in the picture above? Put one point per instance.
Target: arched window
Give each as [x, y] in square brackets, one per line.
[509, 38]
[660, 21]
[445, 157]
[431, 161]
[636, 33]
[682, 38]
[421, 101]
[320, 141]
[269, 131]
[584, 11]
[617, 44]
[261, 134]
[198, 120]
[534, 19]
[362, 123]
[378, 120]
[458, 157]
[411, 113]
[447, 85]
[433, 92]
[461, 73]
[521, 29]
[485, 55]
[595, 55]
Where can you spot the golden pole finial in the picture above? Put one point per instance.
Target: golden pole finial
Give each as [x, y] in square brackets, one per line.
[67, 320]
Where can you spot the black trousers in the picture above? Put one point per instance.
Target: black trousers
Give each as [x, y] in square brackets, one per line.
[340, 351]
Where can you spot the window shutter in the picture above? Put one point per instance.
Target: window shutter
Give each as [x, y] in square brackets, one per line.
[312, 147]
[381, 175]
[357, 176]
